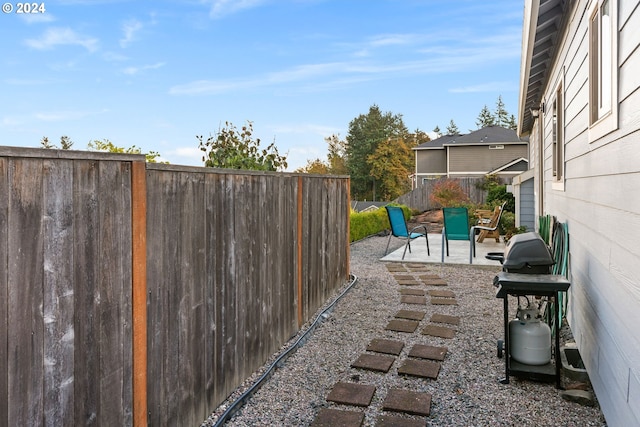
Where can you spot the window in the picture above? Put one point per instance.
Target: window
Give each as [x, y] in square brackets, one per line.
[557, 137]
[603, 68]
[496, 147]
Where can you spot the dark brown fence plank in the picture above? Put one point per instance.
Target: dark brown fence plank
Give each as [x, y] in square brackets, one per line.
[87, 293]
[25, 360]
[4, 293]
[58, 306]
[114, 282]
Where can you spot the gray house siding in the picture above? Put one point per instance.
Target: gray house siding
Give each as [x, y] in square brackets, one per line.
[480, 158]
[527, 209]
[598, 200]
[431, 162]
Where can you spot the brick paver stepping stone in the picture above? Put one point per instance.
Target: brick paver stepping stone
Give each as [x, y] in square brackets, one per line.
[374, 362]
[396, 268]
[444, 301]
[403, 277]
[409, 282]
[413, 299]
[439, 293]
[439, 331]
[412, 291]
[435, 282]
[444, 318]
[380, 345]
[428, 352]
[400, 325]
[420, 368]
[410, 402]
[352, 394]
[328, 417]
[410, 314]
[397, 421]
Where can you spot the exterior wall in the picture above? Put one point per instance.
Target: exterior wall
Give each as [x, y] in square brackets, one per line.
[431, 162]
[480, 159]
[527, 216]
[599, 202]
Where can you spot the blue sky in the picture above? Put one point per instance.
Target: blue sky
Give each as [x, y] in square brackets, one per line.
[155, 74]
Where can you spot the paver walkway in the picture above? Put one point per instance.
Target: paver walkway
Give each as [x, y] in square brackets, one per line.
[400, 407]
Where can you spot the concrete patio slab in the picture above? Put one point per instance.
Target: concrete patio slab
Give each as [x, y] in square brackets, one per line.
[420, 368]
[412, 291]
[402, 325]
[439, 331]
[352, 394]
[438, 293]
[398, 421]
[407, 401]
[458, 252]
[435, 282]
[374, 362]
[413, 299]
[380, 345]
[422, 351]
[328, 417]
[444, 301]
[445, 318]
[410, 315]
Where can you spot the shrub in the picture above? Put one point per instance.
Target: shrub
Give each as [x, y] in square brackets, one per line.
[448, 193]
[496, 194]
[365, 224]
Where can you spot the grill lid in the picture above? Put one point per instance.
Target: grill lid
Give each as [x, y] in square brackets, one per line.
[527, 249]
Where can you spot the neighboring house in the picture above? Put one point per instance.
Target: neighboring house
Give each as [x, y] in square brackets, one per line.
[490, 150]
[364, 206]
[580, 105]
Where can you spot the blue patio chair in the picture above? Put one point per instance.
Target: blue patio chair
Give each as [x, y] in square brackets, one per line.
[456, 227]
[399, 229]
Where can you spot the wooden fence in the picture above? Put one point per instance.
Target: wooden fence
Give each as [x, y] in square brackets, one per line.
[418, 199]
[135, 294]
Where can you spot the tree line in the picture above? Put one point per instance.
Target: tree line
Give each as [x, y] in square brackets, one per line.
[376, 153]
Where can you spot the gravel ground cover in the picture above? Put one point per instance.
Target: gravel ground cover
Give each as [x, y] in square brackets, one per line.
[466, 392]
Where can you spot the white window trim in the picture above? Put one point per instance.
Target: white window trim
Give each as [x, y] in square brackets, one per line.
[609, 121]
[559, 144]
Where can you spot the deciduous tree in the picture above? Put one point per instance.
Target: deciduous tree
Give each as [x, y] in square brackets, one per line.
[391, 166]
[366, 132]
[236, 149]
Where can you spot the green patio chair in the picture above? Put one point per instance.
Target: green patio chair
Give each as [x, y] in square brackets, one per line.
[399, 229]
[456, 227]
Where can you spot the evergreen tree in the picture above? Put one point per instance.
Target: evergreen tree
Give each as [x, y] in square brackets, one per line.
[501, 116]
[485, 118]
[511, 123]
[452, 129]
[437, 131]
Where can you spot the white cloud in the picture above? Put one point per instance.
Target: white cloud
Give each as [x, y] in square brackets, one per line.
[62, 36]
[135, 70]
[63, 116]
[129, 29]
[220, 8]
[37, 18]
[484, 87]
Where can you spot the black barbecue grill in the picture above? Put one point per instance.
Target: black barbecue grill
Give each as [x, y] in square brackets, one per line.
[526, 265]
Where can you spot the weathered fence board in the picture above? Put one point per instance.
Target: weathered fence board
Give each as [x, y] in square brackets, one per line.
[418, 199]
[223, 252]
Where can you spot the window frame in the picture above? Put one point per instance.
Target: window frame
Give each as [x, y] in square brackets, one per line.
[603, 119]
[558, 139]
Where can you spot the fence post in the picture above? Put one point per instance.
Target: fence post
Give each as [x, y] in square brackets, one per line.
[139, 290]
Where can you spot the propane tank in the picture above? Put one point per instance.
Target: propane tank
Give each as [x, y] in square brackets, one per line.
[530, 339]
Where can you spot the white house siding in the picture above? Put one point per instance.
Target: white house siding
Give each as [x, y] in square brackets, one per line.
[600, 203]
